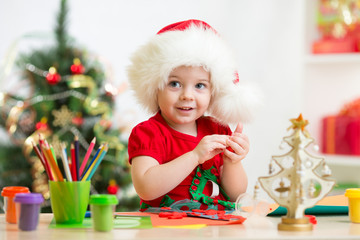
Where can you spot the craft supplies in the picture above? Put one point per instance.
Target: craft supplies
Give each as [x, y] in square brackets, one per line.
[353, 195]
[102, 211]
[76, 146]
[88, 175]
[72, 169]
[9, 205]
[69, 192]
[69, 201]
[65, 162]
[87, 155]
[28, 205]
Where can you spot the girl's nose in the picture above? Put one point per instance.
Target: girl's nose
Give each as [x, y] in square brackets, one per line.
[187, 95]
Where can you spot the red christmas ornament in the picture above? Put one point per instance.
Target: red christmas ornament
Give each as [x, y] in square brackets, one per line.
[53, 77]
[113, 187]
[42, 125]
[78, 120]
[77, 67]
[105, 123]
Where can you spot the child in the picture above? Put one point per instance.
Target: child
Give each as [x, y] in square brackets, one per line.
[183, 73]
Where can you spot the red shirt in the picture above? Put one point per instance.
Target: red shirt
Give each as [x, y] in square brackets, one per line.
[156, 139]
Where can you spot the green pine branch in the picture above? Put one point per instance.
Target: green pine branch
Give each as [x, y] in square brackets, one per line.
[60, 30]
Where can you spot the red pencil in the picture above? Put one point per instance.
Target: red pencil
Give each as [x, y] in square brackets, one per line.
[73, 163]
[43, 161]
[87, 155]
[42, 145]
[77, 160]
[69, 161]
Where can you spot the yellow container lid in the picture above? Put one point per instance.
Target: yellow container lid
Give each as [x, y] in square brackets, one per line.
[352, 193]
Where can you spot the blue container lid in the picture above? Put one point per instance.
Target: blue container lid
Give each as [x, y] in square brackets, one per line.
[29, 198]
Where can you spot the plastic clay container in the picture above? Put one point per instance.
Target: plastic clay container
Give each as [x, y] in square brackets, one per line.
[28, 210]
[9, 205]
[102, 211]
[353, 195]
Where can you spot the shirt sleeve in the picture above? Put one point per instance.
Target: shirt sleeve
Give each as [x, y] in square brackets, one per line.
[146, 140]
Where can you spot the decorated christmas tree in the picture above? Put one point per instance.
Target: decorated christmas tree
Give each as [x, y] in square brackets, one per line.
[300, 180]
[66, 94]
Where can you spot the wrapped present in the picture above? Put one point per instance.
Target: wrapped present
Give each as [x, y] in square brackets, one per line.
[345, 45]
[338, 26]
[341, 132]
[341, 135]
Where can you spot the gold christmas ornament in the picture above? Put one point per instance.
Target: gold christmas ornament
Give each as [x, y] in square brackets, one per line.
[63, 116]
[297, 186]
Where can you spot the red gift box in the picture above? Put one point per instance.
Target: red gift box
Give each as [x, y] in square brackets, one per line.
[344, 45]
[341, 135]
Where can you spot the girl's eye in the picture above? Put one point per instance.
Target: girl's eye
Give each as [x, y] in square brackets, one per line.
[174, 84]
[200, 86]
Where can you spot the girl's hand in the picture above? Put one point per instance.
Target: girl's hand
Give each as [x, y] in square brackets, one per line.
[240, 145]
[210, 146]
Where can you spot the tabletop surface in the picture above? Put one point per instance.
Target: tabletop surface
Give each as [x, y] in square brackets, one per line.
[327, 227]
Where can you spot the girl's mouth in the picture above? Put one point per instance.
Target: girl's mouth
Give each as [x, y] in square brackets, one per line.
[185, 108]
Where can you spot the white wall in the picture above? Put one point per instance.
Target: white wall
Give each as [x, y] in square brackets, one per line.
[267, 36]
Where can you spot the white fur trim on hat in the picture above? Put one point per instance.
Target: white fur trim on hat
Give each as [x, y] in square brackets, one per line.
[232, 101]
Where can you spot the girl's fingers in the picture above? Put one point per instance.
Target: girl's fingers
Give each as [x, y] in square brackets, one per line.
[241, 141]
[233, 157]
[237, 148]
[239, 128]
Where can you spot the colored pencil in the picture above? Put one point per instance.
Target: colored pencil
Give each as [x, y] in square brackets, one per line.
[42, 160]
[53, 153]
[92, 160]
[73, 164]
[88, 171]
[97, 163]
[54, 167]
[69, 161]
[65, 162]
[47, 161]
[83, 164]
[76, 145]
[46, 144]
[72, 171]
[42, 145]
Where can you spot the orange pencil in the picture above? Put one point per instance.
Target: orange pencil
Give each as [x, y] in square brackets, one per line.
[51, 169]
[53, 164]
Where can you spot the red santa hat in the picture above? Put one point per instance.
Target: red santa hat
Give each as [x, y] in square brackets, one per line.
[192, 43]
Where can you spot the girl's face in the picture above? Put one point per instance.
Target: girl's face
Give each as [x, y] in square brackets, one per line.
[185, 97]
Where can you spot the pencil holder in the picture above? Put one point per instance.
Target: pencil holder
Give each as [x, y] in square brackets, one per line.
[9, 205]
[69, 201]
[102, 211]
[28, 210]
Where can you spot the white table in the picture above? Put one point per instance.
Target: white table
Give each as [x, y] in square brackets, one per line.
[327, 227]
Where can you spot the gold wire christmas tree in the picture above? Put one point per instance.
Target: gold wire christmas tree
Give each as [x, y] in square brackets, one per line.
[297, 185]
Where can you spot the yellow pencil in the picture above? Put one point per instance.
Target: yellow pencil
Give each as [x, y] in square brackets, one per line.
[88, 171]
